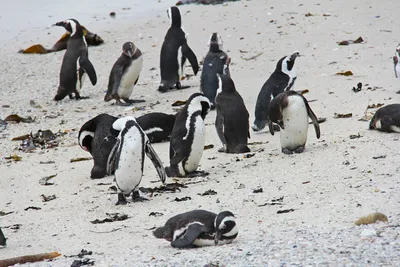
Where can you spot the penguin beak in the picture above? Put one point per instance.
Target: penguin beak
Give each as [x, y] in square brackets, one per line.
[218, 235]
[294, 56]
[61, 23]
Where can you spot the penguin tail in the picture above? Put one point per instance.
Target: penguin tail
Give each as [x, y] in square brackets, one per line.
[61, 94]
[242, 148]
[97, 172]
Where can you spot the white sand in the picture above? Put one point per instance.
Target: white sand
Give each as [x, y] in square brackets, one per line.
[319, 232]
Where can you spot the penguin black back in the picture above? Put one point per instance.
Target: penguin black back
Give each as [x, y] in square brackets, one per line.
[157, 126]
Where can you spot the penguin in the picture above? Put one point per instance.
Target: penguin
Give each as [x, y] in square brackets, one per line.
[157, 126]
[396, 62]
[198, 228]
[3, 239]
[75, 63]
[127, 157]
[216, 61]
[282, 79]
[188, 137]
[232, 120]
[124, 75]
[92, 138]
[386, 119]
[290, 110]
[174, 52]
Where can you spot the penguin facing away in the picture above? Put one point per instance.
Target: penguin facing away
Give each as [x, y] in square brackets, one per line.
[127, 157]
[290, 110]
[232, 121]
[75, 63]
[198, 228]
[174, 52]
[282, 79]
[92, 138]
[396, 62]
[386, 119]
[188, 137]
[124, 75]
[215, 62]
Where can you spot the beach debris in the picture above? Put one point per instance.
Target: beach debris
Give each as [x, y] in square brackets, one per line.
[14, 157]
[257, 143]
[367, 116]
[372, 218]
[92, 39]
[45, 180]
[203, 2]
[277, 201]
[112, 14]
[252, 57]
[358, 89]
[306, 182]
[212, 264]
[81, 254]
[345, 73]
[179, 103]
[48, 198]
[284, 211]
[208, 146]
[32, 208]
[33, 104]
[171, 188]
[197, 174]
[3, 239]
[375, 105]
[42, 139]
[156, 214]
[258, 190]
[16, 118]
[308, 14]
[250, 155]
[177, 199]
[80, 159]
[342, 116]
[379, 157]
[113, 188]
[112, 217]
[208, 193]
[47, 162]
[86, 261]
[29, 258]
[241, 186]
[355, 136]
[2, 213]
[359, 40]
[13, 226]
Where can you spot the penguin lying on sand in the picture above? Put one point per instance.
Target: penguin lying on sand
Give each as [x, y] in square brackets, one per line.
[386, 119]
[75, 63]
[282, 79]
[198, 228]
[174, 52]
[124, 75]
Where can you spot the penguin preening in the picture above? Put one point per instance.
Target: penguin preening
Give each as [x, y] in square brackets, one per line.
[124, 75]
[232, 120]
[290, 110]
[198, 228]
[128, 155]
[188, 137]
[396, 62]
[93, 136]
[174, 52]
[386, 119]
[215, 62]
[282, 79]
[75, 63]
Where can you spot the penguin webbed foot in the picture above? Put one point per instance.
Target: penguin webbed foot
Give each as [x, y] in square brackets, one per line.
[121, 199]
[137, 198]
[287, 151]
[78, 97]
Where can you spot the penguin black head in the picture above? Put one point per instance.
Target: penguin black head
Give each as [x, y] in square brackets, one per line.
[72, 26]
[174, 16]
[225, 84]
[276, 107]
[198, 101]
[128, 49]
[215, 43]
[225, 226]
[286, 64]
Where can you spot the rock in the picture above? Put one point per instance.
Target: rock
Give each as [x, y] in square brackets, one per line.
[368, 233]
[372, 218]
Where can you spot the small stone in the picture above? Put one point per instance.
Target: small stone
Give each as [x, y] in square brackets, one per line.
[368, 233]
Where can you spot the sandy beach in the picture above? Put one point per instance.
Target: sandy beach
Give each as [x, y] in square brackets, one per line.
[335, 181]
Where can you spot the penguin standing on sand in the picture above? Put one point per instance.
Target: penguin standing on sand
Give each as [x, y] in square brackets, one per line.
[386, 119]
[92, 138]
[174, 52]
[198, 228]
[282, 79]
[396, 62]
[124, 75]
[290, 110]
[75, 63]
[216, 61]
[188, 137]
[127, 157]
[232, 121]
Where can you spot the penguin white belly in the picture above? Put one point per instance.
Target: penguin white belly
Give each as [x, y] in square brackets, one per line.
[295, 120]
[181, 68]
[129, 78]
[196, 152]
[129, 171]
[398, 70]
[395, 128]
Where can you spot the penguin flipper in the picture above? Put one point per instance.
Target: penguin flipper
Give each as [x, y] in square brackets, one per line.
[192, 233]
[87, 66]
[271, 127]
[151, 153]
[119, 70]
[188, 53]
[112, 158]
[313, 118]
